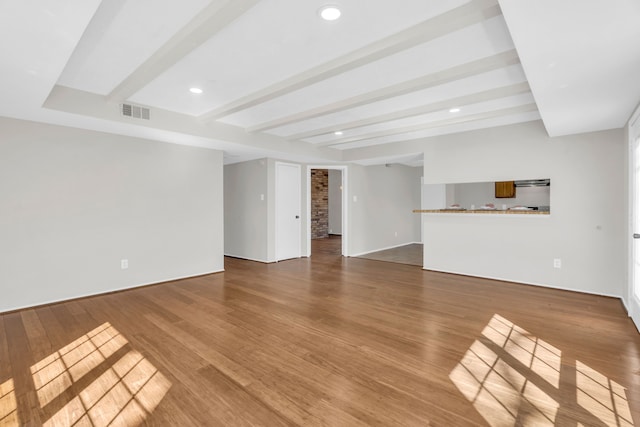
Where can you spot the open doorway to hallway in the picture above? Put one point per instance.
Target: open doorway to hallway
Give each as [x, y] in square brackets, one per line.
[326, 203]
[326, 207]
[331, 245]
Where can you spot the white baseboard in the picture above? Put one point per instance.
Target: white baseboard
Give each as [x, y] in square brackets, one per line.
[384, 249]
[633, 309]
[110, 291]
[521, 282]
[248, 258]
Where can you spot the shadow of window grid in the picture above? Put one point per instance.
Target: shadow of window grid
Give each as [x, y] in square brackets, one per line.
[504, 397]
[124, 394]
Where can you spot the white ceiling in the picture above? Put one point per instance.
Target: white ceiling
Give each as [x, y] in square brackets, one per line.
[279, 81]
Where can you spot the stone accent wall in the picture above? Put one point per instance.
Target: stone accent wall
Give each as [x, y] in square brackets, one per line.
[319, 203]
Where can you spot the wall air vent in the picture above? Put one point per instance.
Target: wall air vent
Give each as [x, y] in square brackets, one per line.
[135, 111]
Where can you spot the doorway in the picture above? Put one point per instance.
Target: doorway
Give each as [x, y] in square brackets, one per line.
[334, 223]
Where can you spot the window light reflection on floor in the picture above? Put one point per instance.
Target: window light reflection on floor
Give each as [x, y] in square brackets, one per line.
[513, 378]
[59, 371]
[127, 389]
[602, 397]
[534, 353]
[8, 404]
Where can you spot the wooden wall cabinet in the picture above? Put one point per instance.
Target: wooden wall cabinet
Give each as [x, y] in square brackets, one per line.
[505, 190]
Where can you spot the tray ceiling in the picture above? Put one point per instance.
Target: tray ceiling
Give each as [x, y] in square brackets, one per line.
[276, 78]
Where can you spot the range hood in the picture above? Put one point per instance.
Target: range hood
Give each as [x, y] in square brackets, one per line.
[533, 183]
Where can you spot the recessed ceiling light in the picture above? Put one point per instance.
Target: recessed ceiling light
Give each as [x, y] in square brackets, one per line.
[338, 133]
[195, 90]
[330, 12]
[454, 110]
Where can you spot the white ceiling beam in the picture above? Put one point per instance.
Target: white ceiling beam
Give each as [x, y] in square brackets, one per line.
[487, 95]
[77, 108]
[438, 78]
[202, 27]
[470, 13]
[431, 125]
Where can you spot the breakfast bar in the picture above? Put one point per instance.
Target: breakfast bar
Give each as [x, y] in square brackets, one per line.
[481, 211]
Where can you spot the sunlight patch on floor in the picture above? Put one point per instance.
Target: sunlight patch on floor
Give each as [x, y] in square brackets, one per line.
[602, 397]
[513, 378]
[8, 404]
[126, 391]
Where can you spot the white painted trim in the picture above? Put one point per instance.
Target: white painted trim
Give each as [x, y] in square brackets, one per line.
[634, 311]
[518, 282]
[388, 247]
[632, 304]
[249, 258]
[125, 288]
[345, 205]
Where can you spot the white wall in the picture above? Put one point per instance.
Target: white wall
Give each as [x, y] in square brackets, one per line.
[479, 193]
[586, 228]
[434, 196]
[74, 203]
[335, 201]
[246, 207]
[386, 197]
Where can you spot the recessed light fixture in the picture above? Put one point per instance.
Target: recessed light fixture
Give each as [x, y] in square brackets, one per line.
[338, 133]
[195, 90]
[329, 12]
[454, 110]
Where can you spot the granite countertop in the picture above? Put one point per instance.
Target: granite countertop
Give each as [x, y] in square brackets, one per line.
[482, 211]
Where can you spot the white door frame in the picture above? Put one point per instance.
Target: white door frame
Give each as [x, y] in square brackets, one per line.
[633, 302]
[298, 166]
[345, 205]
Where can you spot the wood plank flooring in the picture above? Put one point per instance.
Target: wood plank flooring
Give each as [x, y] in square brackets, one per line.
[324, 341]
[408, 254]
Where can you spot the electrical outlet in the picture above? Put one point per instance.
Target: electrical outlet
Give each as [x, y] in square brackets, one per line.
[124, 264]
[355, 198]
[557, 263]
[262, 197]
[396, 234]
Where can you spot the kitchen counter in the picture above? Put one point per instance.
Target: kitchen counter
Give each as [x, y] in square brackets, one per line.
[480, 211]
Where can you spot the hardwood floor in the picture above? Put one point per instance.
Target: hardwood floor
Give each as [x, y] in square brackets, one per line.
[408, 254]
[323, 341]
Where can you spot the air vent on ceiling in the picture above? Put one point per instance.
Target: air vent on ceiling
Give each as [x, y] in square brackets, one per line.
[134, 111]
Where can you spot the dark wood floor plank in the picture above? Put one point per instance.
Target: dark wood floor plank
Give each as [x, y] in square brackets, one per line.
[327, 341]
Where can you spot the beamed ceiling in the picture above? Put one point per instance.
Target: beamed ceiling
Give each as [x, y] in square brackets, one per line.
[277, 80]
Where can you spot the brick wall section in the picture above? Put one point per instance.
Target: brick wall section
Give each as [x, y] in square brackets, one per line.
[319, 203]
